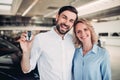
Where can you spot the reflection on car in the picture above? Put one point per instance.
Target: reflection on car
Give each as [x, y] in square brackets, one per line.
[9, 54]
[10, 57]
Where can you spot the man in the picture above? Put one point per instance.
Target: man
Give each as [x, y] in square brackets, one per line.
[51, 51]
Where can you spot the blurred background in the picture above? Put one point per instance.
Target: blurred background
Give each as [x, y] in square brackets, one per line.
[17, 16]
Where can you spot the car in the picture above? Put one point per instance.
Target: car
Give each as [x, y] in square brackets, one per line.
[10, 57]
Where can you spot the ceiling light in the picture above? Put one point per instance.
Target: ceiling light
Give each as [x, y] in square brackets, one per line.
[6, 1]
[5, 7]
[94, 20]
[30, 7]
[97, 6]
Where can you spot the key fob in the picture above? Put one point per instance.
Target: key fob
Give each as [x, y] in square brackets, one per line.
[29, 35]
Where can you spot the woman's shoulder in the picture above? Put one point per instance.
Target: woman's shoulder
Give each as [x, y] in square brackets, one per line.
[103, 51]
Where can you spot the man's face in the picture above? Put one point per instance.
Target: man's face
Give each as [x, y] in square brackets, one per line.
[65, 21]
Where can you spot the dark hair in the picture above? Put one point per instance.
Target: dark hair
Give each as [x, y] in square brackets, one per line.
[69, 8]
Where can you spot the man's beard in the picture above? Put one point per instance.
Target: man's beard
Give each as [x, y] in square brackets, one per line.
[61, 31]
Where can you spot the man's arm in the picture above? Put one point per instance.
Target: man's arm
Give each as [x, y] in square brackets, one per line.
[25, 62]
[26, 48]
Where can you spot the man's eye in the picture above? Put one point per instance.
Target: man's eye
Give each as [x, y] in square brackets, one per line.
[72, 21]
[64, 17]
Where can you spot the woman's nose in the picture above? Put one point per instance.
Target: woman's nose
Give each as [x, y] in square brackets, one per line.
[82, 33]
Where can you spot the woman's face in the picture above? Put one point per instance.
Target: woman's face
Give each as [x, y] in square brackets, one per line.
[83, 33]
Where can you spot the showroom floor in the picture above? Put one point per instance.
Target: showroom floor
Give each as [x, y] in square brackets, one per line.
[115, 61]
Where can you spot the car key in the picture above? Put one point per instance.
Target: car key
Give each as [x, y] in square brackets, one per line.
[29, 35]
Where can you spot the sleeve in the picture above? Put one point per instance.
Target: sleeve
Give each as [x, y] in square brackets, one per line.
[106, 67]
[35, 53]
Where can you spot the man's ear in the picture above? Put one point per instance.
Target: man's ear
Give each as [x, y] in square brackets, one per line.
[56, 17]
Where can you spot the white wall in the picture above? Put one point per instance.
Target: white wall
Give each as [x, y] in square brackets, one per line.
[110, 27]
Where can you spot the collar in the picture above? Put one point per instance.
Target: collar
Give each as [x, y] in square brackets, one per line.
[93, 50]
[56, 34]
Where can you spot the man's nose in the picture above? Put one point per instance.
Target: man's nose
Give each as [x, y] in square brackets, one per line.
[67, 22]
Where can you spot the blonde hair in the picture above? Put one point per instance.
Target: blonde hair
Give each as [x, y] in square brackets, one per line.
[86, 22]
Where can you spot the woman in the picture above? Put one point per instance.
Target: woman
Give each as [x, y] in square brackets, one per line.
[90, 61]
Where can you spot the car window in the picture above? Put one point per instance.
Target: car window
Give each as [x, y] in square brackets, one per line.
[6, 47]
[6, 44]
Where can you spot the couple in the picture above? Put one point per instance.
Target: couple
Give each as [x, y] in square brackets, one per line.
[55, 55]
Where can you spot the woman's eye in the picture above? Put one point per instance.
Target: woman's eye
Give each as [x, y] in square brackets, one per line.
[85, 29]
[78, 31]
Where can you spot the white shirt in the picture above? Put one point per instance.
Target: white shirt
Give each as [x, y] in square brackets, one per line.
[52, 55]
